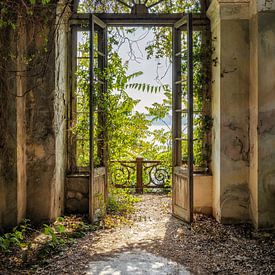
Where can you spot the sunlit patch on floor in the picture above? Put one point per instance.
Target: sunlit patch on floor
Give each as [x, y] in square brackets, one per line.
[135, 262]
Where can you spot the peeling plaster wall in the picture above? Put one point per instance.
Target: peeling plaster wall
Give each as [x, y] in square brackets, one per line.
[234, 120]
[40, 124]
[266, 119]
[61, 95]
[230, 110]
[243, 108]
[8, 156]
[216, 110]
[262, 171]
[253, 103]
[20, 117]
[12, 183]
[46, 124]
[33, 118]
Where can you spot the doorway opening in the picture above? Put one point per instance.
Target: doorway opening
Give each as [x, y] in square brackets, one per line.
[96, 72]
[140, 145]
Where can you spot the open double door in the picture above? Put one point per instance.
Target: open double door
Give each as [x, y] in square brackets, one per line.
[182, 129]
[182, 181]
[98, 189]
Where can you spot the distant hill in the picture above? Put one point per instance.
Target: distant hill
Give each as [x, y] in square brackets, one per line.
[167, 119]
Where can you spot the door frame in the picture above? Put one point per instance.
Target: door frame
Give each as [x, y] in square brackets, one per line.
[178, 22]
[182, 181]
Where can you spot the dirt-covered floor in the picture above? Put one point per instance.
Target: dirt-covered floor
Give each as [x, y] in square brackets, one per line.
[206, 247]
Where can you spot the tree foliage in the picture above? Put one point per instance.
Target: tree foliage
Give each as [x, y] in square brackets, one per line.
[128, 129]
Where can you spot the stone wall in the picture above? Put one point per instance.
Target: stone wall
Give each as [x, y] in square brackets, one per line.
[77, 194]
[230, 109]
[262, 134]
[243, 109]
[266, 130]
[33, 92]
[46, 121]
[40, 121]
[8, 132]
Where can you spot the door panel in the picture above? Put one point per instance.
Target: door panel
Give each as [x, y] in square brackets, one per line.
[181, 194]
[182, 183]
[98, 135]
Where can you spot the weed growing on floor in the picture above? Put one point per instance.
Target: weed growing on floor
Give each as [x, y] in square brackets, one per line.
[121, 203]
[13, 239]
[32, 246]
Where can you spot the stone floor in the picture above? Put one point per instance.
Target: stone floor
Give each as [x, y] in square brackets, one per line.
[154, 242]
[135, 262]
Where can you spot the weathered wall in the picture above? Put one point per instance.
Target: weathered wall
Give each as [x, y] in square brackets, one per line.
[8, 156]
[40, 122]
[266, 119]
[216, 110]
[20, 117]
[77, 194]
[203, 194]
[46, 120]
[230, 109]
[33, 88]
[243, 108]
[253, 103]
[60, 105]
[262, 134]
[12, 142]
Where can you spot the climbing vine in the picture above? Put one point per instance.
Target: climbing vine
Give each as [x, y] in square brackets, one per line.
[128, 129]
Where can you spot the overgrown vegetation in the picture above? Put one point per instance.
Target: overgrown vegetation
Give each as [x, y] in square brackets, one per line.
[31, 246]
[128, 130]
[121, 204]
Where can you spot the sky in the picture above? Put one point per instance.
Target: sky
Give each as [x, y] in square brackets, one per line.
[149, 67]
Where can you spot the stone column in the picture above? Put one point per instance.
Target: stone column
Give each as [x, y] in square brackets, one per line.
[12, 125]
[230, 109]
[262, 113]
[21, 118]
[46, 123]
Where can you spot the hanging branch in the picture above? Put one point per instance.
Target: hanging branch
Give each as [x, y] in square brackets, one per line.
[125, 4]
[155, 4]
[132, 43]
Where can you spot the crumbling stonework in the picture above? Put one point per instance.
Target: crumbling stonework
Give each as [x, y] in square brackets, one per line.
[46, 123]
[77, 194]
